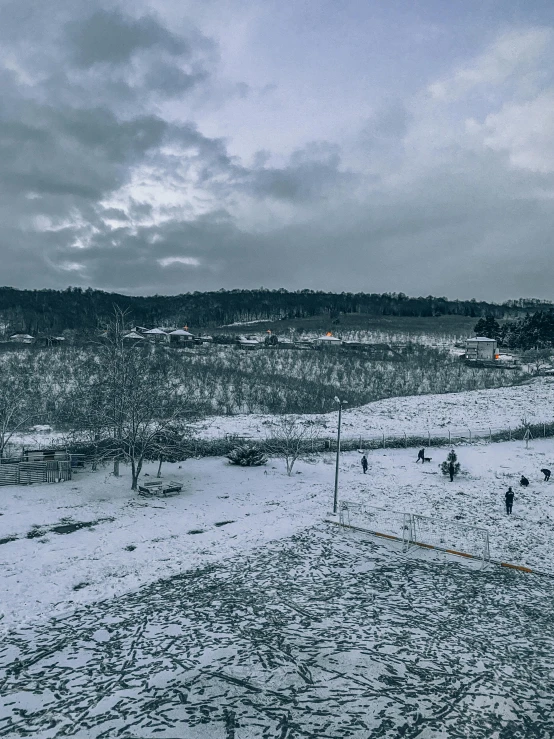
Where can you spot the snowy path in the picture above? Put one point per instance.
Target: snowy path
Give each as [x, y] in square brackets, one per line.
[325, 635]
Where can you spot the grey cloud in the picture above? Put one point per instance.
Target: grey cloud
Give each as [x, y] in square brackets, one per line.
[170, 80]
[109, 37]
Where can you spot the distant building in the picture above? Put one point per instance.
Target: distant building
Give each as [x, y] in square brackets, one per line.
[155, 334]
[181, 336]
[481, 348]
[22, 338]
[327, 342]
[244, 342]
[133, 336]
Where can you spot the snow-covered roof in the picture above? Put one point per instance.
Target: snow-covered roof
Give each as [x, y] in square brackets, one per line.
[155, 332]
[133, 335]
[21, 336]
[480, 338]
[180, 332]
[327, 338]
[244, 340]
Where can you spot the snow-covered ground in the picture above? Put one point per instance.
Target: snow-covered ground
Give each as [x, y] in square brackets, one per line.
[323, 635]
[478, 410]
[225, 510]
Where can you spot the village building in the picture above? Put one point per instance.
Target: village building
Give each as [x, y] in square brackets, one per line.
[248, 343]
[155, 334]
[327, 342]
[133, 336]
[22, 338]
[181, 337]
[481, 348]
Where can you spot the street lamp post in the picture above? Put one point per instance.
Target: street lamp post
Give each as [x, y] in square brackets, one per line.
[336, 498]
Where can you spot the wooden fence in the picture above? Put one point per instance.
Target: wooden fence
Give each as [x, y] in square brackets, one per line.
[32, 473]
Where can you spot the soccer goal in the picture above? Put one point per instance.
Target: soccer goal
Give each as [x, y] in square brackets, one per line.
[379, 521]
[415, 530]
[449, 536]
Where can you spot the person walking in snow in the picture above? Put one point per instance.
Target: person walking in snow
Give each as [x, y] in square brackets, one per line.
[509, 500]
[421, 455]
[546, 474]
[451, 470]
[364, 464]
[524, 481]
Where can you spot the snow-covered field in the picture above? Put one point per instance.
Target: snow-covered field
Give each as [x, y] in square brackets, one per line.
[225, 510]
[324, 635]
[478, 410]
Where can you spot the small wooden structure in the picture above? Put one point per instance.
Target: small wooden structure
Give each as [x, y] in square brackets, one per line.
[160, 487]
[22, 338]
[35, 469]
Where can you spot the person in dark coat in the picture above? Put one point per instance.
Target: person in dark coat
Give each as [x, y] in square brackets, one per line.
[421, 455]
[364, 464]
[509, 500]
[546, 474]
[451, 471]
[524, 481]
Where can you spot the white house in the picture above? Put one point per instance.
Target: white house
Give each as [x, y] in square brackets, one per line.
[481, 348]
[180, 336]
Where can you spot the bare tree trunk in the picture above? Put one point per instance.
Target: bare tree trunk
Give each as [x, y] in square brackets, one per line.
[160, 468]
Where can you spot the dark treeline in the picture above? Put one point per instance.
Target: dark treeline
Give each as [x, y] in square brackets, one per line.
[53, 311]
[531, 331]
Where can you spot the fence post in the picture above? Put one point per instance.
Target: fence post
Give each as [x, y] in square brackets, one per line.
[383, 441]
[360, 442]
[449, 437]
[469, 435]
[510, 431]
[405, 441]
[544, 430]
[428, 438]
[490, 434]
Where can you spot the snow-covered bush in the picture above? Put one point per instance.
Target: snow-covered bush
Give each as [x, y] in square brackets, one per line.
[451, 466]
[247, 456]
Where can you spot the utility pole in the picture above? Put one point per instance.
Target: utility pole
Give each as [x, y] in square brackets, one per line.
[336, 498]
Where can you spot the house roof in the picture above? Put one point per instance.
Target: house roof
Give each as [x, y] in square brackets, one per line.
[244, 340]
[155, 332]
[133, 335]
[481, 338]
[327, 338]
[21, 336]
[180, 332]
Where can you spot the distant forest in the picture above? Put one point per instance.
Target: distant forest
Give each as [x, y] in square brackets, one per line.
[52, 311]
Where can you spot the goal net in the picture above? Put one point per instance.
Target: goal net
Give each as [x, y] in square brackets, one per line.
[413, 529]
[380, 521]
[450, 536]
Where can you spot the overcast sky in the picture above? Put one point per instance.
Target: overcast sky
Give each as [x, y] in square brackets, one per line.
[167, 146]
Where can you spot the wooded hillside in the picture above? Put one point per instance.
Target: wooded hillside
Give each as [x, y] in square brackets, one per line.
[52, 311]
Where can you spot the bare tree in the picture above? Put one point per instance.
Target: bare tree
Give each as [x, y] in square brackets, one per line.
[16, 410]
[292, 439]
[138, 402]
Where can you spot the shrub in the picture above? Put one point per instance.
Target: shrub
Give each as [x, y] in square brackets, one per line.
[451, 462]
[247, 456]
